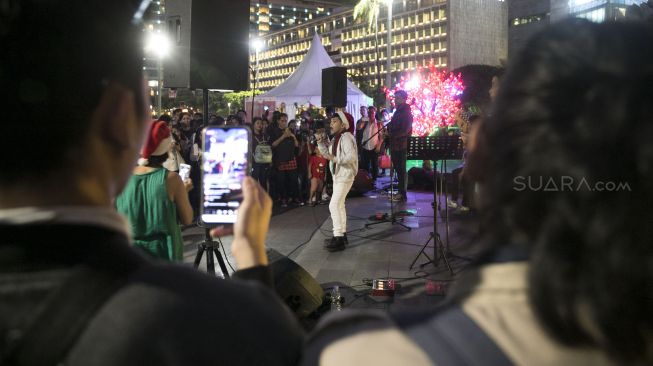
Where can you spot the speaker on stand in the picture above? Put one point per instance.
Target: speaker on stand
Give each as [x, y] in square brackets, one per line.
[334, 87]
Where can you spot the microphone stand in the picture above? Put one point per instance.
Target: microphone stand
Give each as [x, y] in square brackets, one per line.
[392, 219]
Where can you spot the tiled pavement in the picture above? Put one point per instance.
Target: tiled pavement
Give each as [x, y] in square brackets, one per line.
[380, 251]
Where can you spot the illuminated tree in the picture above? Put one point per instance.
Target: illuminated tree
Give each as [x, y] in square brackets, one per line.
[434, 96]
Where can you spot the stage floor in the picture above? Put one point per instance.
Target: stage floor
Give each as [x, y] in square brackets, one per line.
[381, 251]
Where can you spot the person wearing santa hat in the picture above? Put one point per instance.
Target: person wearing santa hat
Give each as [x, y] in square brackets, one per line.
[343, 162]
[153, 197]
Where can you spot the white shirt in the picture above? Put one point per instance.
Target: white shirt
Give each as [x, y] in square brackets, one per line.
[346, 159]
[370, 135]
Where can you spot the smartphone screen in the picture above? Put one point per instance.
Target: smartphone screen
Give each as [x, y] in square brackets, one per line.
[184, 171]
[225, 162]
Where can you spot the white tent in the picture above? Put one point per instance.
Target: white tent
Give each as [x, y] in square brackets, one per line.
[304, 86]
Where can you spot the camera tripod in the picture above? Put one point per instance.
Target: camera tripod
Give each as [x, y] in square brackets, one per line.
[211, 248]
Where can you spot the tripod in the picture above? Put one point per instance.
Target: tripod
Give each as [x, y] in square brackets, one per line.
[392, 218]
[436, 148]
[439, 251]
[211, 247]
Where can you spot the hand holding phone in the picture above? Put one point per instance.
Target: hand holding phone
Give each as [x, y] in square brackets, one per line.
[251, 227]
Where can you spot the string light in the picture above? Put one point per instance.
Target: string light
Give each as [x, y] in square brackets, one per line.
[434, 96]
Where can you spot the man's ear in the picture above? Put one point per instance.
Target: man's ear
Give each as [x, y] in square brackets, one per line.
[116, 119]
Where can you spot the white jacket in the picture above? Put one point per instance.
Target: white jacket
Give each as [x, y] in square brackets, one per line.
[346, 160]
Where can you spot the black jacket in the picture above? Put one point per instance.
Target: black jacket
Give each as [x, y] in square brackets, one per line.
[400, 127]
[165, 315]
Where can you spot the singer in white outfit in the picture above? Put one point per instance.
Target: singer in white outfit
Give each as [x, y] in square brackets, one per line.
[343, 162]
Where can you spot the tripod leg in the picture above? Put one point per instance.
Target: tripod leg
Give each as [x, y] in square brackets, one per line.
[198, 258]
[376, 223]
[443, 254]
[421, 252]
[210, 267]
[223, 267]
[395, 221]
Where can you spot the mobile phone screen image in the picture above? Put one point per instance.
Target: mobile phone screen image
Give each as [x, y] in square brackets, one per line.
[225, 162]
[184, 171]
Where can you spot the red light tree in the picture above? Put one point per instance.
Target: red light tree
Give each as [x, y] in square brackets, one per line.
[434, 96]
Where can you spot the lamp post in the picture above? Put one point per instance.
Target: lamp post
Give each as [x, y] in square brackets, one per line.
[388, 61]
[158, 45]
[257, 44]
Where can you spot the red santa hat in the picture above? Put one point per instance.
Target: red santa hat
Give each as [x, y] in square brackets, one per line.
[157, 141]
[346, 117]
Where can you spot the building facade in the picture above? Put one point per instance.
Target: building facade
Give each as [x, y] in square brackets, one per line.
[449, 33]
[527, 17]
[269, 16]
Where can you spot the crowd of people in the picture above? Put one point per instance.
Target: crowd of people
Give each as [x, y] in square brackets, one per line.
[285, 157]
[564, 277]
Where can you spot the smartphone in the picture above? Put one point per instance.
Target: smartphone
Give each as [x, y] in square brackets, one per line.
[225, 162]
[184, 171]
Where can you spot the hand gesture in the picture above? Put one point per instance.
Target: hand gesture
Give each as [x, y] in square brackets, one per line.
[188, 184]
[251, 228]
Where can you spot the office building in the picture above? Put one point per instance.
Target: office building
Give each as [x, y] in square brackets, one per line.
[449, 33]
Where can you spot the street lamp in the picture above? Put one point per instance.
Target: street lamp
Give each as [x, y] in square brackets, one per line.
[158, 45]
[388, 61]
[257, 45]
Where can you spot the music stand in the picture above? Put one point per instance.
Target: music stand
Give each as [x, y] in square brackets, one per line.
[211, 247]
[435, 148]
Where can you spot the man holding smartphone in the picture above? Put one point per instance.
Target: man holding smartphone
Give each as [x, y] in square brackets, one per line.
[63, 247]
[343, 162]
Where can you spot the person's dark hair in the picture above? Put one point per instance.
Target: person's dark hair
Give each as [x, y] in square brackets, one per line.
[156, 161]
[256, 119]
[217, 121]
[177, 111]
[165, 118]
[576, 105]
[54, 66]
[474, 118]
[277, 116]
[182, 114]
[379, 114]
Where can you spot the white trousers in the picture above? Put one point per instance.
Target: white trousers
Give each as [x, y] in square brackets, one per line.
[337, 207]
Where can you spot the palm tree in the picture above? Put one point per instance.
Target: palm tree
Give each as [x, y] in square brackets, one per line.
[370, 9]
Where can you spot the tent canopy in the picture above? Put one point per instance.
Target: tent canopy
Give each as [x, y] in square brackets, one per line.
[304, 85]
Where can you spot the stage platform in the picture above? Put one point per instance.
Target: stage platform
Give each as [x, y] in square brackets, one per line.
[381, 251]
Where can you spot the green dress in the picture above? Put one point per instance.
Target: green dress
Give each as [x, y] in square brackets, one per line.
[152, 215]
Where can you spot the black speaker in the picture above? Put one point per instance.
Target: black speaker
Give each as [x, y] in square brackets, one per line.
[209, 44]
[363, 183]
[298, 289]
[334, 87]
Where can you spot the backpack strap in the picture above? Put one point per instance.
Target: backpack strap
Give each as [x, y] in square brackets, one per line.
[64, 317]
[452, 338]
